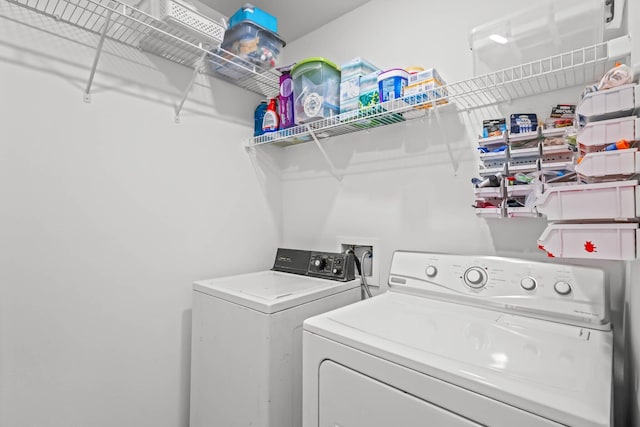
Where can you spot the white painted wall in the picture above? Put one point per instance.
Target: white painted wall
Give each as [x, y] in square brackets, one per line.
[108, 212]
[408, 185]
[632, 302]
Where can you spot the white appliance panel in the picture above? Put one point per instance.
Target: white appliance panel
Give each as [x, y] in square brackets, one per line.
[246, 365]
[555, 370]
[346, 398]
[271, 291]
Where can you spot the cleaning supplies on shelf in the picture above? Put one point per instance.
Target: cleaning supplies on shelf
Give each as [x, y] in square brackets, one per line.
[285, 99]
[271, 120]
[391, 84]
[258, 117]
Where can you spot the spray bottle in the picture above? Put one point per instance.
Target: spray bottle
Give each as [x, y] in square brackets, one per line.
[271, 120]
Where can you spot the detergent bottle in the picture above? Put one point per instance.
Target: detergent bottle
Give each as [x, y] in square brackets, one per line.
[271, 120]
[258, 118]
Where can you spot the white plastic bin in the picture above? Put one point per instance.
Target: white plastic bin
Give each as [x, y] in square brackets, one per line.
[608, 165]
[595, 135]
[521, 212]
[609, 200]
[609, 103]
[615, 241]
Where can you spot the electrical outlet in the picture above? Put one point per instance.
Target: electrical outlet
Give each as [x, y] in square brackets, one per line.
[370, 263]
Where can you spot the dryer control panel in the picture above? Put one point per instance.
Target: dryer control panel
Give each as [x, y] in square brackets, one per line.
[563, 293]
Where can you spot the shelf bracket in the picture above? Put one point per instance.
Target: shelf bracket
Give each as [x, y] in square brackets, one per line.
[332, 168]
[103, 34]
[196, 71]
[454, 163]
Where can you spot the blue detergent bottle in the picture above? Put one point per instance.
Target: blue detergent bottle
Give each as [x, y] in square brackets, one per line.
[258, 117]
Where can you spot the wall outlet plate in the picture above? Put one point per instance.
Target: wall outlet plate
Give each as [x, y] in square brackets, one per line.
[372, 265]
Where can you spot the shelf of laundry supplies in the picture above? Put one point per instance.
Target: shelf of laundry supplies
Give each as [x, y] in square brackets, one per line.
[135, 28]
[573, 68]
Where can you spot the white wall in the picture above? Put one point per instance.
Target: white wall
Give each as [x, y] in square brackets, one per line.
[632, 303]
[109, 211]
[408, 185]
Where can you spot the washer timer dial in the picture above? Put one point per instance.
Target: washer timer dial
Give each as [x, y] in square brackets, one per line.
[475, 277]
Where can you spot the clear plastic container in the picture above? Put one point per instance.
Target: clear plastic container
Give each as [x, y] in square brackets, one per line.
[316, 89]
[537, 30]
[254, 43]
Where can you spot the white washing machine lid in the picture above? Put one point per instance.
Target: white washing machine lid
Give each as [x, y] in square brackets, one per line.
[271, 291]
[557, 371]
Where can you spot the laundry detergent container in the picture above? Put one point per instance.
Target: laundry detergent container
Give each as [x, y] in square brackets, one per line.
[316, 89]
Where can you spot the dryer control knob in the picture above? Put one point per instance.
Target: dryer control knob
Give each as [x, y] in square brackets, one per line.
[563, 288]
[528, 283]
[337, 271]
[431, 271]
[475, 277]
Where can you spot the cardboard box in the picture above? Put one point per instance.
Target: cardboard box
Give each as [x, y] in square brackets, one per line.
[426, 75]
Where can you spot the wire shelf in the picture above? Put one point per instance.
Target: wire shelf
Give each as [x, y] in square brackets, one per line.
[577, 67]
[137, 29]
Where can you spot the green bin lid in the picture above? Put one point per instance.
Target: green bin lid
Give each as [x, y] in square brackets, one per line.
[315, 59]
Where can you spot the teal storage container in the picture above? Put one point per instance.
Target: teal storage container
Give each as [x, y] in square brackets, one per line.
[249, 12]
[316, 89]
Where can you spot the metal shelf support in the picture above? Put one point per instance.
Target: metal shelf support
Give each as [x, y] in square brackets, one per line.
[196, 71]
[96, 59]
[332, 168]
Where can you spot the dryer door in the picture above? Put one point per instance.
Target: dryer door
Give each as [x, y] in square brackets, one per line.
[350, 399]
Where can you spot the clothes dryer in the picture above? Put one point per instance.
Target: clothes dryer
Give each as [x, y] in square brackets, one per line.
[462, 341]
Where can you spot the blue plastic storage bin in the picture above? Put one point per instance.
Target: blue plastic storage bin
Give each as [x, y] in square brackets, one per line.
[249, 12]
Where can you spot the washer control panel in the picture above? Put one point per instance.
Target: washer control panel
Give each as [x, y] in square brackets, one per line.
[331, 265]
[571, 294]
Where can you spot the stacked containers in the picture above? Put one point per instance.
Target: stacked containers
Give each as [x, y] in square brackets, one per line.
[251, 36]
[316, 89]
[254, 43]
[249, 12]
[352, 73]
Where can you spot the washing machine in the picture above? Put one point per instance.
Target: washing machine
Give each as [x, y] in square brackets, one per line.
[465, 341]
[246, 354]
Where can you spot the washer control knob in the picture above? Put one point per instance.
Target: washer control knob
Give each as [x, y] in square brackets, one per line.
[320, 263]
[337, 271]
[431, 271]
[528, 283]
[563, 288]
[475, 277]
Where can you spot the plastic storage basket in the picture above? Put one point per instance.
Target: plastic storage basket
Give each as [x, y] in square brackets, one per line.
[184, 17]
[316, 89]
